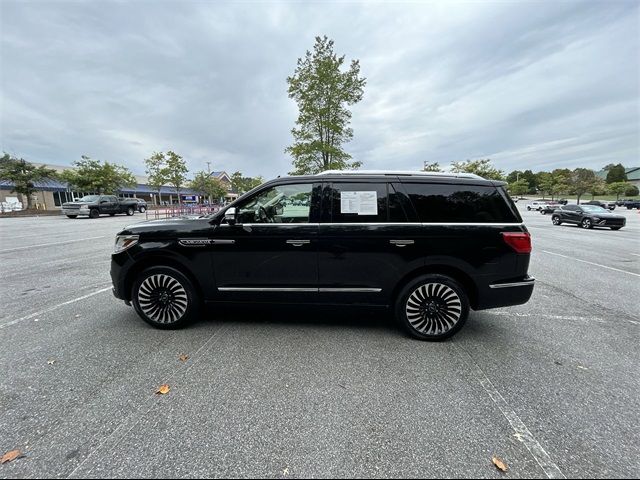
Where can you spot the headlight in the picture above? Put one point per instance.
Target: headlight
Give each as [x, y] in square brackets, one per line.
[124, 242]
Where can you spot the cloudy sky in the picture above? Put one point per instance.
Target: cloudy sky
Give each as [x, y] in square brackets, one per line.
[535, 85]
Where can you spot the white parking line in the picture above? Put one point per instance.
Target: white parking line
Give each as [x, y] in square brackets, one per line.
[16, 249]
[522, 432]
[592, 263]
[50, 309]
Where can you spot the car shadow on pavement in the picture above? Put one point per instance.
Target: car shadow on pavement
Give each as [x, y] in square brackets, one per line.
[298, 315]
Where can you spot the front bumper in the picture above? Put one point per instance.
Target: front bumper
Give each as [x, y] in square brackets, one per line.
[75, 211]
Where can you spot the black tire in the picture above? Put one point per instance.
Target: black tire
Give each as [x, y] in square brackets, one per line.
[112, 214]
[142, 209]
[528, 209]
[130, 211]
[439, 295]
[72, 216]
[93, 213]
[156, 285]
[586, 223]
[629, 207]
[556, 220]
[616, 228]
[543, 212]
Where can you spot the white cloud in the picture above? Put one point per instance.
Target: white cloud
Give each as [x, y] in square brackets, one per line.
[532, 85]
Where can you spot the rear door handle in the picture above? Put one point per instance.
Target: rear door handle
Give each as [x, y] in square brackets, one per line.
[298, 243]
[401, 243]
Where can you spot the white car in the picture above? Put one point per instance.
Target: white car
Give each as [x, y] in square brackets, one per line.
[536, 205]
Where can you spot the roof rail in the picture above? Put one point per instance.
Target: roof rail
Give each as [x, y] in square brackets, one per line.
[400, 172]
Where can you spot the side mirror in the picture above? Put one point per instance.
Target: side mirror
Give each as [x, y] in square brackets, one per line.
[231, 216]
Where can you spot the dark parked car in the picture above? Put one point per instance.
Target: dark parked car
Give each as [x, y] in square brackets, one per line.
[563, 201]
[94, 205]
[142, 205]
[600, 203]
[630, 204]
[549, 208]
[588, 216]
[429, 247]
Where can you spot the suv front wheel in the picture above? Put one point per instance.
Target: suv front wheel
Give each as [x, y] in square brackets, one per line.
[432, 307]
[165, 298]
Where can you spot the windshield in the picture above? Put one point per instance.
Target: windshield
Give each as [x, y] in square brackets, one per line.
[89, 198]
[593, 209]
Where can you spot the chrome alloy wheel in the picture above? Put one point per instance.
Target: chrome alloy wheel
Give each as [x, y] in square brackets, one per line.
[162, 298]
[433, 308]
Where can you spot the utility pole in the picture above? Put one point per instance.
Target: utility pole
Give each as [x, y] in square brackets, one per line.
[209, 168]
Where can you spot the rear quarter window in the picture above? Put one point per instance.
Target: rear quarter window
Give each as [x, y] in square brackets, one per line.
[448, 203]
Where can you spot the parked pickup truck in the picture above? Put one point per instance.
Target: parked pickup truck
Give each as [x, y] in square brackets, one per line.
[94, 205]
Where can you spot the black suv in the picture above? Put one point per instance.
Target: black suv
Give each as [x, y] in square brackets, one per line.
[428, 246]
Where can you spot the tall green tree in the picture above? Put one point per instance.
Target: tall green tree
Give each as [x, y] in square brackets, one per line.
[544, 182]
[519, 187]
[155, 172]
[204, 182]
[241, 184]
[432, 167]
[483, 167]
[89, 175]
[582, 181]
[23, 175]
[175, 172]
[323, 92]
[616, 173]
[618, 188]
[167, 169]
[513, 176]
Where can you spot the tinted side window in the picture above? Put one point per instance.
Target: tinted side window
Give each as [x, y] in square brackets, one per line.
[279, 204]
[359, 203]
[570, 207]
[459, 203]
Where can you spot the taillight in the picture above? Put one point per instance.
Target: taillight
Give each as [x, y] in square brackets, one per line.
[519, 241]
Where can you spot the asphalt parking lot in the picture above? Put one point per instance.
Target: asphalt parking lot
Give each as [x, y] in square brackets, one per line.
[550, 387]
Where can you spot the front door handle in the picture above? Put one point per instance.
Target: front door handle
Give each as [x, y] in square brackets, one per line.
[401, 243]
[298, 243]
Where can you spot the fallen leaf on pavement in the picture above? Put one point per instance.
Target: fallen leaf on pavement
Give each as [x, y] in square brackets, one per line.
[163, 390]
[500, 465]
[10, 456]
[285, 471]
[183, 358]
[50, 362]
[582, 368]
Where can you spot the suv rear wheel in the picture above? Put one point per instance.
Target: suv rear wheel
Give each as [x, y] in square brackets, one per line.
[165, 298]
[130, 211]
[556, 220]
[94, 213]
[432, 307]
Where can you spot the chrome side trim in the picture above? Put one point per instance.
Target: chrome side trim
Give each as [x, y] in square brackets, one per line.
[265, 289]
[395, 224]
[303, 289]
[349, 290]
[203, 242]
[514, 284]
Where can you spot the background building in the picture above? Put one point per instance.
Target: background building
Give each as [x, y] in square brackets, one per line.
[51, 194]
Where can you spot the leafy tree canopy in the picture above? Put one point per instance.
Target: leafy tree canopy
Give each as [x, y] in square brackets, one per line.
[23, 175]
[204, 182]
[616, 173]
[483, 167]
[89, 175]
[323, 91]
[432, 167]
[242, 184]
